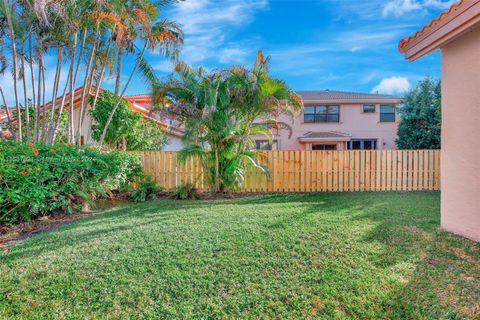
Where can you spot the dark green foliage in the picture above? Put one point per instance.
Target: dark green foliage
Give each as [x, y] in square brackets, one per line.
[420, 121]
[147, 189]
[129, 130]
[185, 192]
[38, 179]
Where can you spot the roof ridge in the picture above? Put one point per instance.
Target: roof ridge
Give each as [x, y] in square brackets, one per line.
[434, 21]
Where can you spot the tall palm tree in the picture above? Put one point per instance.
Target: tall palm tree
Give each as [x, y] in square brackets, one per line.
[164, 36]
[8, 11]
[222, 111]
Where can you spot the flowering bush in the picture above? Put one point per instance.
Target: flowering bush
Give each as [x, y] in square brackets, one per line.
[41, 178]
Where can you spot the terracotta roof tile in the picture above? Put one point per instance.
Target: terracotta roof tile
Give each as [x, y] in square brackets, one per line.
[431, 24]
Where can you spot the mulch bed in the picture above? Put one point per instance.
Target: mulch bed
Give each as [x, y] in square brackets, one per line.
[12, 234]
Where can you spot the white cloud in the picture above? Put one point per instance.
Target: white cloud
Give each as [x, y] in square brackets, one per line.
[232, 55]
[392, 85]
[439, 4]
[207, 25]
[398, 8]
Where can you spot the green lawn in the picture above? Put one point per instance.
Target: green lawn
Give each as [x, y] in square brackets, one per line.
[325, 256]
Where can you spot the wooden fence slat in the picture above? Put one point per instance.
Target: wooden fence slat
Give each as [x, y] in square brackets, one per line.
[311, 171]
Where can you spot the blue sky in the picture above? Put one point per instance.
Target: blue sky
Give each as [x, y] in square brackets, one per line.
[346, 45]
[313, 44]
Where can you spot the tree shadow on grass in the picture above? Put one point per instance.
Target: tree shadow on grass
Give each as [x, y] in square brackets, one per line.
[131, 217]
[438, 273]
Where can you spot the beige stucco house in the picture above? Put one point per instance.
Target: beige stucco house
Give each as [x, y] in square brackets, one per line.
[336, 120]
[457, 33]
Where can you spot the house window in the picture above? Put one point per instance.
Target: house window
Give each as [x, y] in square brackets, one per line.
[317, 147]
[362, 144]
[266, 145]
[317, 114]
[368, 108]
[387, 113]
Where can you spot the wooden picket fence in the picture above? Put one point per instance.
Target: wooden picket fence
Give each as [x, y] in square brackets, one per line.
[314, 171]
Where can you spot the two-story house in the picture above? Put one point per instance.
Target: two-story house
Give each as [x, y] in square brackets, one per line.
[336, 120]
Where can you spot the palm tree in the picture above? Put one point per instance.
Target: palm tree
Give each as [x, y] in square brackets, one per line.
[222, 111]
[8, 11]
[164, 36]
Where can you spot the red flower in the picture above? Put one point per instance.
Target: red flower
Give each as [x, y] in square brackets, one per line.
[35, 152]
[5, 135]
[52, 151]
[24, 172]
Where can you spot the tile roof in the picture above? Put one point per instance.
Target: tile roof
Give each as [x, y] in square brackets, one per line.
[325, 135]
[144, 96]
[344, 95]
[404, 42]
[3, 114]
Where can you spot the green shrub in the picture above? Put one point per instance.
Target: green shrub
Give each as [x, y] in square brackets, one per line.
[147, 189]
[185, 192]
[39, 179]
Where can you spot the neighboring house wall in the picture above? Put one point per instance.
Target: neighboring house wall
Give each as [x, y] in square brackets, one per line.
[353, 122]
[457, 33]
[174, 143]
[460, 136]
[86, 132]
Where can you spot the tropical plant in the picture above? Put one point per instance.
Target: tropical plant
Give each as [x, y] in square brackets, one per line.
[222, 111]
[88, 37]
[37, 179]
[420, 117]
[146, 189]
[129, 130]
[185, 192]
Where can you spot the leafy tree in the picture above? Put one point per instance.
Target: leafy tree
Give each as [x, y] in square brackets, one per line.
[222, 111]
[128, 129]
[420, 121]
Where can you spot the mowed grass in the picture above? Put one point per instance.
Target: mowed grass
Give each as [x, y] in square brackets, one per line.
[352, 255]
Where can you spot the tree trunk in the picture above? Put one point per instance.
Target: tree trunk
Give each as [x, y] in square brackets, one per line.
[110, 116]
[34, 97]
[25, 99]
[86, 87]
[62, 105]
[56, 82]
[118, 80]
[44, 107]
[39, 95]
[15, 69]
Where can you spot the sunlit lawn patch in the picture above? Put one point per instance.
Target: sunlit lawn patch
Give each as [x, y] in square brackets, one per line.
[371, 255]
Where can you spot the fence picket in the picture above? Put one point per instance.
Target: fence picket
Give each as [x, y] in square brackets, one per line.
[312, 171]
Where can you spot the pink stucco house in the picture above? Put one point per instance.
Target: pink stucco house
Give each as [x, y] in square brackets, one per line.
[337, 120]
[457, 33]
